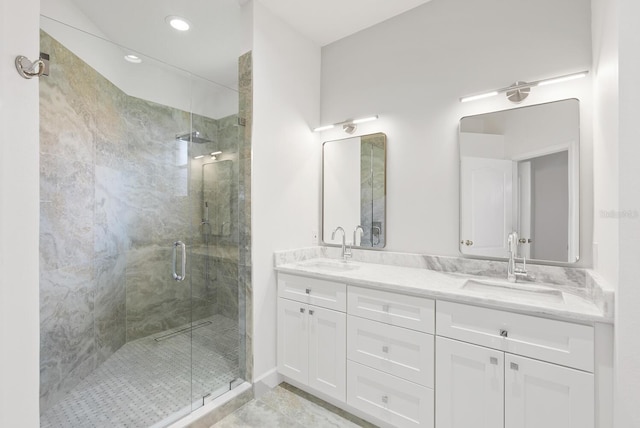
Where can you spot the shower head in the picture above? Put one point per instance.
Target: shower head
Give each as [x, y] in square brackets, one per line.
[194, 137]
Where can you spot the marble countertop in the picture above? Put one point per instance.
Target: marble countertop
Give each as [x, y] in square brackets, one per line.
[527, 297]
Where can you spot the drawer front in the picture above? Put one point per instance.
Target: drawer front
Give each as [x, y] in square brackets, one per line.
[558, 342]
[412, 312]
[389, 398]
[318, 292]
[398, 351]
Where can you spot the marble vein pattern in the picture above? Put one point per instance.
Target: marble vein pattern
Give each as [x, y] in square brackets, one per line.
[287, 406]
[117, 189]
[438, 277]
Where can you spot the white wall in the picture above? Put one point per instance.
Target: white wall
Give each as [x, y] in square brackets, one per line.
[286, 162]
[19, 217]
[627, 340]
[412, 69]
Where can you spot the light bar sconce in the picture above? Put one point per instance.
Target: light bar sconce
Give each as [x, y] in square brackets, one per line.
[349, 126]
[518, 91]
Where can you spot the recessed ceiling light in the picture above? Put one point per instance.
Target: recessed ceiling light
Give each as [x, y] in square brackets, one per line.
[133, 58]
[178, 23]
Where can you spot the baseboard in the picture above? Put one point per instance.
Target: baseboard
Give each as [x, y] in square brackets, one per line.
[267, 382]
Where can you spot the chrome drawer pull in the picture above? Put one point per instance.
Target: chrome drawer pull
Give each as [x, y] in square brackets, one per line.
[504, 333]
[513, 366]
[302, 310]
[310, 311]
[385, 349]
[493, 360]
[385, 399]
[308, 291]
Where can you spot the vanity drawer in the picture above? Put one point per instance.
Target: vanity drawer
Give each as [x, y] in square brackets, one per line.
[389, 398]
[395, 350]
[318, 292]
[416, 313]
[559, 342]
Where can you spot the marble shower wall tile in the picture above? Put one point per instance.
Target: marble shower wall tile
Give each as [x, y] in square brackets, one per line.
[67, 339]
[155, 301]
[245, 286]
[110, 304]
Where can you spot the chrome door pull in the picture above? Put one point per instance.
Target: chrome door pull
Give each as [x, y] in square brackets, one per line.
[183, 273]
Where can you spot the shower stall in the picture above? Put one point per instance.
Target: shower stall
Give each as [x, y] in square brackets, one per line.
[142, 278]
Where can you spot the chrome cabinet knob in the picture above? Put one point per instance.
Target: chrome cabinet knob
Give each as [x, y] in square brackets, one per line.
[504, 333]
[385, 349]
[310, 311]
[308, 291]
[514, 366]
[493, 360]
[302, 310]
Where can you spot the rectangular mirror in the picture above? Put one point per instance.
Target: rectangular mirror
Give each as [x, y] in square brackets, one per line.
[354, 190]
[519, 171]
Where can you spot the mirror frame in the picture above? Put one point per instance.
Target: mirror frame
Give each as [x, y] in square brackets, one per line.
[322, 196]
[573, 205]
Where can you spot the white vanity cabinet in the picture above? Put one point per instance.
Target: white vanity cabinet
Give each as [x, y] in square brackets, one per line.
[390, 352]
[312, 333]
[501, 369]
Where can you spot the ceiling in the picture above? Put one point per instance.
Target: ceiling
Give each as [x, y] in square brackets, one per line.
[325, 21]
[210, 49]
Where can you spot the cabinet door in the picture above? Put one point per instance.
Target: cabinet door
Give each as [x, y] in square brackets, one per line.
[545, 395]
[469, 385]
[293, 349]
[327, 351]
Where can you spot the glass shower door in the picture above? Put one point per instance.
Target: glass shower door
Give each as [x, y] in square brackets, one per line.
[115, 324]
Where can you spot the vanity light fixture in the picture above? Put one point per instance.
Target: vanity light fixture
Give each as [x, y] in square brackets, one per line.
[518, 91]
[214, 154]
[198, 157]
[178, 23]
[348, 126]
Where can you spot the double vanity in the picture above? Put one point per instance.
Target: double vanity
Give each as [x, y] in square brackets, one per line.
[405, 341]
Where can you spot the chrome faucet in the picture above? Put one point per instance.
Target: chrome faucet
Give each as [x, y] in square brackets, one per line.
[346, 251]
[512, 271]
[355, 233]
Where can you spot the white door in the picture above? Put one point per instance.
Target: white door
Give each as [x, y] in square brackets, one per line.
[524, 208]
[545, 395]
[328, 351]
[293, 344]
[486, 206]
[469, 385]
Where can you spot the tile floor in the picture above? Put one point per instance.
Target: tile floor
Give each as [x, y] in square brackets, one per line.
[147, 381]
[288, 407]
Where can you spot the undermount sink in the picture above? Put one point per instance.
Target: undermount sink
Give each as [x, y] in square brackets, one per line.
[509, 289]
[330, 265]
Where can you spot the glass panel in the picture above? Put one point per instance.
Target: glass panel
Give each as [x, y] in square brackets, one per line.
[123, 343]
[214, 197]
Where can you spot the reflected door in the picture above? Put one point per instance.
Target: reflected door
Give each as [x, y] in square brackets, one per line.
[486, 206]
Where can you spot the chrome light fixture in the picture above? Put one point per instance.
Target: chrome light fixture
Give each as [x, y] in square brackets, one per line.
[349, 126]
[519, 91]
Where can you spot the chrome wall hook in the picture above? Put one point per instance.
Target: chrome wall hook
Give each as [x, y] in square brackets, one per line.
[28, 69]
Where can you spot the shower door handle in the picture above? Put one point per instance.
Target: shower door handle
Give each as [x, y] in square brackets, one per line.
[184, 260]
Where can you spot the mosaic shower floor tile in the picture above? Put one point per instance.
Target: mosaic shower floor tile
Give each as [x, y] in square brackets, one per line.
[151, 379]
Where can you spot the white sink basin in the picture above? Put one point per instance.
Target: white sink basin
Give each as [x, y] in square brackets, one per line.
[329, 265]
[510, 289]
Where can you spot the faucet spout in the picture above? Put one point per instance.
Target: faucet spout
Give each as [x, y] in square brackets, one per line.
[345, 253]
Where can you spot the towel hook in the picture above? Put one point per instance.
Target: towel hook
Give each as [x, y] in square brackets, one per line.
[28, 69]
